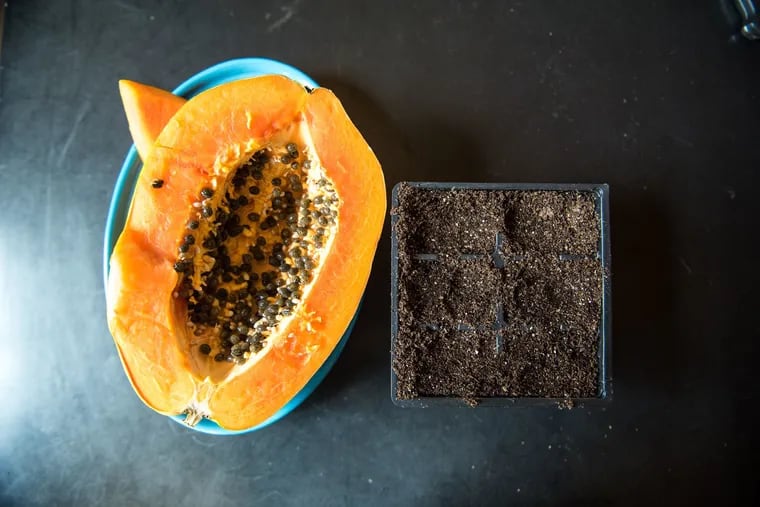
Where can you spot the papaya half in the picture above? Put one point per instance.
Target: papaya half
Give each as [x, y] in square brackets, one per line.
[249, 242]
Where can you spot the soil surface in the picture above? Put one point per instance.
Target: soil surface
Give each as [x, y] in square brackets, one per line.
[499, 294]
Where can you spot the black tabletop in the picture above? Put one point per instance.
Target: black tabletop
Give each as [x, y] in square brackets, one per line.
[659, 99]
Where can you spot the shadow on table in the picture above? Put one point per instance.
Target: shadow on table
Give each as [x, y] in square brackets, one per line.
[430, 148]
[690, 483]
[648, 351]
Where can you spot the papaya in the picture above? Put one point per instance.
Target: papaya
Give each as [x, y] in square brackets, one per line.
[148, 110]
[248, 245]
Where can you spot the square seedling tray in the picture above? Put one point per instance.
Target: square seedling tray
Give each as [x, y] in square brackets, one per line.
[500, 294]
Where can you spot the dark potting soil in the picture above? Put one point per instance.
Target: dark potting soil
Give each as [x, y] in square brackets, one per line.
[499, 294]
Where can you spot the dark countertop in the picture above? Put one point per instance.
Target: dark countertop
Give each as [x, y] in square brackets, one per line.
[661, 102]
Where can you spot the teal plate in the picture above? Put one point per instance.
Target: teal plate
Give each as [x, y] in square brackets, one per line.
[231, 70]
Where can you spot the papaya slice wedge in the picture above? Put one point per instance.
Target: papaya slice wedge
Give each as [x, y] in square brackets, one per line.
[248, 246]
[148, 110]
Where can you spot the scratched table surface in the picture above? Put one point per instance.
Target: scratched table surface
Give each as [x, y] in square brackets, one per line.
[662, 102]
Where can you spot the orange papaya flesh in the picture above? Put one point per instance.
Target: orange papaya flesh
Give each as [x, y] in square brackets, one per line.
[148, 110]
[248, 246]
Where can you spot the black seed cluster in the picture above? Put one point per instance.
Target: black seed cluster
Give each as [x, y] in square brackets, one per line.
[244, 295]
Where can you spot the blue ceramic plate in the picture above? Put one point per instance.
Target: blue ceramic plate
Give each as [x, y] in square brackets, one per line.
[225, 72]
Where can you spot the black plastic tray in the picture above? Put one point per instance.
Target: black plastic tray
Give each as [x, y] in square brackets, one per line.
[601, 198]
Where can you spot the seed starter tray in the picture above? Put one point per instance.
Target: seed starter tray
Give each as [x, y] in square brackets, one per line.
[600, 196]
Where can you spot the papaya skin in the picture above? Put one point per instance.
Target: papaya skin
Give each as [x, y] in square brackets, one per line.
[148, 110]
[205, 140]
